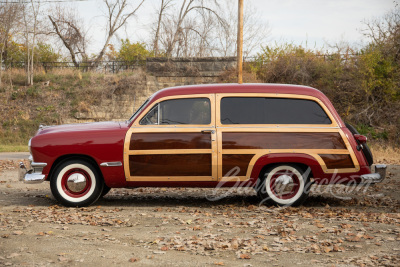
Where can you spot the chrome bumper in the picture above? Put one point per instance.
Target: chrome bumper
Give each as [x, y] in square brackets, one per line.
[34, 174]
[376, 177]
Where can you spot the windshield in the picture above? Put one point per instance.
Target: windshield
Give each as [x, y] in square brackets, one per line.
[139, 110]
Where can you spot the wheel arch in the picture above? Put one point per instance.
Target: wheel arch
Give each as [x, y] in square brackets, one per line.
[64, 158]
[303, 161]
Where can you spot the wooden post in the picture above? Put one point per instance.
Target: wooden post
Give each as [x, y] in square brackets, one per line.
[240, 42]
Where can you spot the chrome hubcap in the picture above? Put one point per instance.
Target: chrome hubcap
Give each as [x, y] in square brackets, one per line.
[76, 182]
[284, 184]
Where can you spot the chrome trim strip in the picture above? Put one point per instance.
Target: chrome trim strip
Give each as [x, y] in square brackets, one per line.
[111, 164]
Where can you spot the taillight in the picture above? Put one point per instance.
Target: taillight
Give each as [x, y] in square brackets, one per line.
[360, 138]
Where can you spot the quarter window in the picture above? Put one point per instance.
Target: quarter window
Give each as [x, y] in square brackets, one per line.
[179, 111]
[263, 110]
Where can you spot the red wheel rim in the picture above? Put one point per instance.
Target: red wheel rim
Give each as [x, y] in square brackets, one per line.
[295, 184]
[68, 190]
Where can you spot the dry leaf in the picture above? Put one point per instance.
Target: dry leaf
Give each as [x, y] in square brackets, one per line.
[133, 259]
[245, 257]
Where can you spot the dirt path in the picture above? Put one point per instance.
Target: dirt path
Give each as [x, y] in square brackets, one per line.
[182, 227]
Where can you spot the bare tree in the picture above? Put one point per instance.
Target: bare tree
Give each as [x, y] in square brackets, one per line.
[173, 25]
[384, 32]
[31, 23]
[69, 27]
[208, 28]
[165, 4]
[10, 15]
[118, 12]
[255, 31]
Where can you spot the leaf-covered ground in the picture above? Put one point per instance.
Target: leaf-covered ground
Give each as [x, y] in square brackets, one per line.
[183, 227]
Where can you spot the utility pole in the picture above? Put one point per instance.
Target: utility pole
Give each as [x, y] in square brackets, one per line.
[240, 42]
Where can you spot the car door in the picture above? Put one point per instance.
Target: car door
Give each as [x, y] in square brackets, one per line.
[174, 140]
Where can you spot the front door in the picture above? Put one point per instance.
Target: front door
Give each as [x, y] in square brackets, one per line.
[174, 140]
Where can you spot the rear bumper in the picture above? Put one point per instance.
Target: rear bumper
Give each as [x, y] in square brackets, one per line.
[34, 174]
[376, 177]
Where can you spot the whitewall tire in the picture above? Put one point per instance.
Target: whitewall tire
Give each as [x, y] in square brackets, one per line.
[76, 183]
[284, 185]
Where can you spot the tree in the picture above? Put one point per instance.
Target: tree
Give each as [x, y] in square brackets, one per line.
[69, 27]
[10, 15]
[176, 26]
[132, 51]
[165, 4]
[118, 12]
[31, 23]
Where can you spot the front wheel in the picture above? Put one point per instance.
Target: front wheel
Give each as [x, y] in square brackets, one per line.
[76, 183]
[284, 185]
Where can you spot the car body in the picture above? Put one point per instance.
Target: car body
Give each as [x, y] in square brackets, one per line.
[252, 135]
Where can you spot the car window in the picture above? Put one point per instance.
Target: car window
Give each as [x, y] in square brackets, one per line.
[263, 110]
[179, 111]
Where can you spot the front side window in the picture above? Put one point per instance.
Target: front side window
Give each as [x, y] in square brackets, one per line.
[179, 111]
[264, 110]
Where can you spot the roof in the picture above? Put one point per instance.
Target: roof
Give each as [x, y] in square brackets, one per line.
[239, 88]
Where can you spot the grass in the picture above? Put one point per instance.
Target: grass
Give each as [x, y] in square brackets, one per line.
[14, 148]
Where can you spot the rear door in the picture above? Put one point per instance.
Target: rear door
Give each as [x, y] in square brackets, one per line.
[174, 140]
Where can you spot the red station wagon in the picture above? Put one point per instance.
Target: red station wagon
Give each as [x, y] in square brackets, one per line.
[279, 139]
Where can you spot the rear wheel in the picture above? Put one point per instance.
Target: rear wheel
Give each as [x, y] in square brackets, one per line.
[76, 183]
[284, 185]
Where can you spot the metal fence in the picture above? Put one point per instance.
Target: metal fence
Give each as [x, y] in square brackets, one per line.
[102, 66]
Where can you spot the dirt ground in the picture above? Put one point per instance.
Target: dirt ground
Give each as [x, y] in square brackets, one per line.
[189, 227]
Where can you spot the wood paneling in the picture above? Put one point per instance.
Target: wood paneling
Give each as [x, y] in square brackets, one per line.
[279, 140]
[170, 165]
[231, 161]
[155, 141]
[337, 161]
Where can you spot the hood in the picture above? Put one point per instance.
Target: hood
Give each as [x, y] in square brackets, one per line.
[79, 127]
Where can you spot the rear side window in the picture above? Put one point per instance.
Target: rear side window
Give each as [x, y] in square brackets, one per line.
[263, 110]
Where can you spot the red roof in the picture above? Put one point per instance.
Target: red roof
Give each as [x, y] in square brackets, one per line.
[248, 88]
[239, 88]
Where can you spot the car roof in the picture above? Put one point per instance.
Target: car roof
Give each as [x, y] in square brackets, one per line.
[238, 88]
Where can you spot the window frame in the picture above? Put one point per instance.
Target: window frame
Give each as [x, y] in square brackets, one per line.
[210, 97]
[219, 98]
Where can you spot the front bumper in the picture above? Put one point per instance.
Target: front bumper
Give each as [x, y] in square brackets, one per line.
[376, 177]
[33, 175]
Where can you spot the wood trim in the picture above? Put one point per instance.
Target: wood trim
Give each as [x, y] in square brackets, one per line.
[337, 161]
[165, 165]
[282, 140]
[231, 161]
[165, 141]
[136, 128]
[172, 151]
[168, 179]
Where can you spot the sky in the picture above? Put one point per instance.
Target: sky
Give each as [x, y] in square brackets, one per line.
[311, 23]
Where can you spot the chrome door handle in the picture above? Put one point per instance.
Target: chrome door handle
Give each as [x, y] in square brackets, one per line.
[208, 131]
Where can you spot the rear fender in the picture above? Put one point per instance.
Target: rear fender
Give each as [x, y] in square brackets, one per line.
[280, 158]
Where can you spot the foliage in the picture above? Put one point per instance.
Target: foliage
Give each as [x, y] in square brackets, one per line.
[363, 85]
[45, 53]
[130, 52]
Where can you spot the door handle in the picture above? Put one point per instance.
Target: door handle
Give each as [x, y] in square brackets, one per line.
[208, 131]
